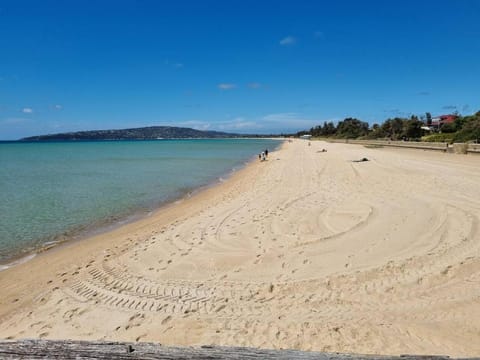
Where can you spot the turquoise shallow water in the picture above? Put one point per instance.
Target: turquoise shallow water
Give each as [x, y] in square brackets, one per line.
[53, 191]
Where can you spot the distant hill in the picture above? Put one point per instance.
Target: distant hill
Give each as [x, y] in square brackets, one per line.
[144, 133]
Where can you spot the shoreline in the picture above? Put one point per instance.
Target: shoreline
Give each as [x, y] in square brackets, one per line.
[115, 221]
[306, 250]
[84, 231]
[61, 255]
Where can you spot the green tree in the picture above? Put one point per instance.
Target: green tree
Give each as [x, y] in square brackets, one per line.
[352, 128]
[413, 128]
[470, 130]
[428, 116]
[448, 128]
[459, 122]
[329, 129]
[397, 131]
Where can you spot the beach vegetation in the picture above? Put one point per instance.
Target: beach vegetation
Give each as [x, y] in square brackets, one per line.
[352, 128]
[440, 137]
[462, 129]
[470, 130]
[328, 129]
[448, 128]
[428, 117]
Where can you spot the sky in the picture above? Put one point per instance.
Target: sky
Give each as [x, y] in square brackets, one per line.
[237, 66]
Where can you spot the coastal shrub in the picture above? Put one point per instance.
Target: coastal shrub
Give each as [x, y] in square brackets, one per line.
[442, 137]
[328, 129]
[351, 128]
[448, 128]
[398, 129]
[412, 128]
[459, 122]
[470, 130]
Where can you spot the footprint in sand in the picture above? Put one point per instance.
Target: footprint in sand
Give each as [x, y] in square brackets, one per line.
[38, 323]
[137, 339]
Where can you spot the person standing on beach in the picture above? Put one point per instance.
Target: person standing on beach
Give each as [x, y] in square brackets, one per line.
[266, 153]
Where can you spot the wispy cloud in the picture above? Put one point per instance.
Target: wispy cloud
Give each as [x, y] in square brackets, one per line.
[274, 123]
[14, 121]
[318, 34]
[226, 86]
[423, 93]
[176, 65]
[290, 121]
[27, 110]
[254, 85]
[397, 112]
[289, 40]
[58, 107]
[238, 124]
[449, 107]
[196, 124]
[392, 111]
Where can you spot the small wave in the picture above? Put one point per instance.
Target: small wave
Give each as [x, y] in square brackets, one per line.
[49, 244]
[17, 262]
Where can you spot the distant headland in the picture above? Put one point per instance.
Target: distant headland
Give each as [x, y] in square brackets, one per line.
[143, 133]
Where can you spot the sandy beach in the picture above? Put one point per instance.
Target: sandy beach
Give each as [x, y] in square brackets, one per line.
[307, 250]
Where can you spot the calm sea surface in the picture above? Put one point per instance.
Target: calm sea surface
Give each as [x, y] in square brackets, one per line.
[53, 191]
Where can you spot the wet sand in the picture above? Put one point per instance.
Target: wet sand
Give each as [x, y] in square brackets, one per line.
[307, 250]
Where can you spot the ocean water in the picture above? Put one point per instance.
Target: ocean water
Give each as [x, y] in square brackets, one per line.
[54, 191]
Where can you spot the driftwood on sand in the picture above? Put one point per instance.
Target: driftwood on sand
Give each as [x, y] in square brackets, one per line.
[69, 349]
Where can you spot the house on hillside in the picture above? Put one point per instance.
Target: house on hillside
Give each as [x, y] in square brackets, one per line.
[439, 121]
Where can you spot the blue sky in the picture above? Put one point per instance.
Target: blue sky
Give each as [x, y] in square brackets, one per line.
[238, 66]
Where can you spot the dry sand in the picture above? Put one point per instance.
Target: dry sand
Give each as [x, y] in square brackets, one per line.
[307, 250]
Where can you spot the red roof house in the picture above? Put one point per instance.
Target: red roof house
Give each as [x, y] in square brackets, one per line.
[438, 121]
